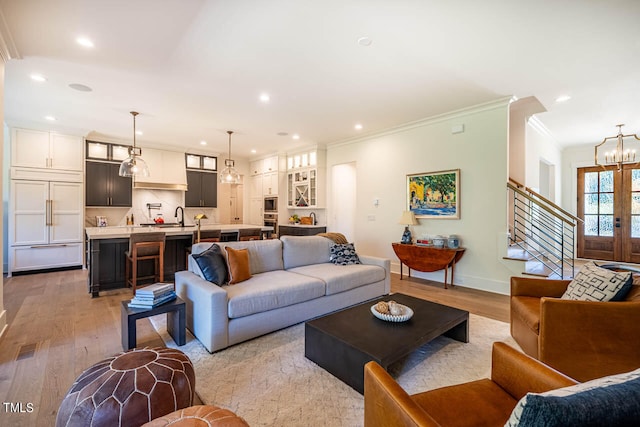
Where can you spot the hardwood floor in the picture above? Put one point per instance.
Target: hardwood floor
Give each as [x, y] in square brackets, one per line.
[56, 331]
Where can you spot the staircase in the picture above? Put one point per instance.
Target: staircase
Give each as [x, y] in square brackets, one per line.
[541, 234]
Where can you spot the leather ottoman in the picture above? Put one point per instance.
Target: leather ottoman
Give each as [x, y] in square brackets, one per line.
[129, 389]
[199, 416]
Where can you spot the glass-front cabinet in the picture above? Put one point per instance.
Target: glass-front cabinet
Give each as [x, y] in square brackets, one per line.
[303, 188]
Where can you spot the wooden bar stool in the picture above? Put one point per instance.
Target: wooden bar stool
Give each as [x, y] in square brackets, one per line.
[142, 247]
[250, 234]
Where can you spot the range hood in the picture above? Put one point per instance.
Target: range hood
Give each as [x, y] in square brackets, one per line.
[167, 171]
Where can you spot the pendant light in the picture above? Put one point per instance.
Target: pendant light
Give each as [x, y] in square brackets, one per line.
[229, 174]
[134, 165]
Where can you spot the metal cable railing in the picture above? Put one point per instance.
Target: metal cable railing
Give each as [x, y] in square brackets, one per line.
[543, 230]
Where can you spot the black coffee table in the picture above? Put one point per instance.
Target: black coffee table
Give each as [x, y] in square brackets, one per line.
[343, 342]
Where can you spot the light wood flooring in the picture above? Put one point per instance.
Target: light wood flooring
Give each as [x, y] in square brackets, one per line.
[56, 331]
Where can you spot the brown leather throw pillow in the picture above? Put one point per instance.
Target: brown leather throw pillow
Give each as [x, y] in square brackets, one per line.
[238, 260]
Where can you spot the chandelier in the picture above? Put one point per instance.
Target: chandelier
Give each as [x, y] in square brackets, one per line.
[612, 151]
[229, 174]
[134, 165]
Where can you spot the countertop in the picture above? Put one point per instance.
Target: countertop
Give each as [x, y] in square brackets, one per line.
[302, 225]
[115, 232]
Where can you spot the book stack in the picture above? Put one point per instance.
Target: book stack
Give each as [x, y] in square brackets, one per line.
[153, 295]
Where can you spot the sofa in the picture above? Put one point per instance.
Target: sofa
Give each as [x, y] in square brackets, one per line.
[583, 339]
[292, 280]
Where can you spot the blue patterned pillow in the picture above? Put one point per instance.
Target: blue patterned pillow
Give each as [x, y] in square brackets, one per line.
[343, 254]
[608, 401]
[593, 283]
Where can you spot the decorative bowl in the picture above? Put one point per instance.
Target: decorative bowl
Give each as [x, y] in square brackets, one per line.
[408, 313]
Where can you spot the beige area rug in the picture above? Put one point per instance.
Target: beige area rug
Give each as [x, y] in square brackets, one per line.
[269, 382]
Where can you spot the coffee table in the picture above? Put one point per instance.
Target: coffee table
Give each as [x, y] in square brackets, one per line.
[343, 342]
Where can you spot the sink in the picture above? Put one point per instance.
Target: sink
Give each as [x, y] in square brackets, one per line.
[165, 225]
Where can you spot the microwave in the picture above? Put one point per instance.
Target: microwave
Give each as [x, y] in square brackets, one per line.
[270, 204]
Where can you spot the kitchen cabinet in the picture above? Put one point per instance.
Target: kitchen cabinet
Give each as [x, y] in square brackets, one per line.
[104, 187]
[255, 211]
[256, 167]
[46, 150]
[200, 162]
[202, 189]
[302, 188]
[256, 186]
[235, 204]
[106, 151]
[45, 221]
[270, 184]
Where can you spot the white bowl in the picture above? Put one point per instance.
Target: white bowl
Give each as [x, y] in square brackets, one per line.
[408, 313]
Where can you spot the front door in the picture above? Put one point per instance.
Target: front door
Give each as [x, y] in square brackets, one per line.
[609, 204]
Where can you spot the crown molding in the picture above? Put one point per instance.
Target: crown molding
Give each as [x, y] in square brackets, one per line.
[8, 49]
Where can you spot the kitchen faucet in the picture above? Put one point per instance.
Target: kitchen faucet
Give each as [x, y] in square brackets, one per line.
[313, 215]
[181, 222]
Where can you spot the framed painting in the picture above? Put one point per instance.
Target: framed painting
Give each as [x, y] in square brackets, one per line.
[434, 194]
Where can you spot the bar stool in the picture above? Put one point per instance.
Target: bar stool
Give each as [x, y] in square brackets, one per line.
[205, 236]
[250, 234]
[229, 236]
[142, 247]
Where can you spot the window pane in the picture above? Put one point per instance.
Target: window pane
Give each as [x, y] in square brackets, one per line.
[635, 180]
[635, 226]
[606, 204]
[606, 225]
[635, 203]
[591, 204]
[591, 225]
[591, 182]
[606, 182]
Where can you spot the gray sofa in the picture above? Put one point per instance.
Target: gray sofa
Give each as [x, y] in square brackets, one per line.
[292, 281]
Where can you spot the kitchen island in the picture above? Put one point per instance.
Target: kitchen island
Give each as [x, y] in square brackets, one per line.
[106, 247]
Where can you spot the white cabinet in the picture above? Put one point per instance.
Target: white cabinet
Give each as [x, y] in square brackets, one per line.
[46, 150]
[256, 186]
[255, 211]
[45, 222]
[270, 164]
[235, 204]
[270, 184]
[256, 167]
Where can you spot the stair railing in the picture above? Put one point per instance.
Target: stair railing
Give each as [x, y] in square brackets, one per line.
[542, 229]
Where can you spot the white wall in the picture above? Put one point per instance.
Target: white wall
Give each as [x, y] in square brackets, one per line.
[572, 159]
[480, 152]
[3, 141]
[540, 145]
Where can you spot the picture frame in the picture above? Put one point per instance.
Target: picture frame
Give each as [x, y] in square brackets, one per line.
[434, 195]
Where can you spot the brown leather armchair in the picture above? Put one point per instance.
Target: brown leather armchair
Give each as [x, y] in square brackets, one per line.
[486, 402]
[583, 339]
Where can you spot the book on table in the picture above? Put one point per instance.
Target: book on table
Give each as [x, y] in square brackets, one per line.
[155, 289]
[137, 302]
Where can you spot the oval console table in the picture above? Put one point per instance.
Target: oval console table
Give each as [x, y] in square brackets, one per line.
[427, 258]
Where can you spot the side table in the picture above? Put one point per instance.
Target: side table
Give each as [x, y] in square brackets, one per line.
[176, 321]
[427, 258]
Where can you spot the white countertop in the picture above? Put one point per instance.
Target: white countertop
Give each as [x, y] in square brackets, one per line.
[115, 232]
[302, 225]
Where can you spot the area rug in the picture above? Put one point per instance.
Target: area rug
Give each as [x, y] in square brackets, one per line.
[269, 382]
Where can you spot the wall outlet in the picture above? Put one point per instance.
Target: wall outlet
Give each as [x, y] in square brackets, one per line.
[371, 217]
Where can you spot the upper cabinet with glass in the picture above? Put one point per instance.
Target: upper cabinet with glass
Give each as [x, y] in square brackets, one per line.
[106, 151]
[305, 179]
[200, 162]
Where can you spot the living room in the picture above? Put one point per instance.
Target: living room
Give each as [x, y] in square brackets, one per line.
[482, 132]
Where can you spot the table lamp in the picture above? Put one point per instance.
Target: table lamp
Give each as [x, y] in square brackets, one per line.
[197, 218]
[407, 218]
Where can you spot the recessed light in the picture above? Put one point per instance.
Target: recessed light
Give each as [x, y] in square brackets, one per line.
[563, 98]
[253, 151]
[38, 78]
[84, 42]
[138, 132]
[203, 142]
[50, 118]
[295, 136]
[364, 41]
[265, 97]
[358, 126]
[80, 87]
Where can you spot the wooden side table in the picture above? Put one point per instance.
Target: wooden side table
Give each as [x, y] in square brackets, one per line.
[176, 321]
[428, 258]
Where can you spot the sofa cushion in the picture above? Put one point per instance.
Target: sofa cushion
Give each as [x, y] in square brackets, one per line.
[593, 283]
[340, 278]
[271, 290]
[238, 263]
[343, 254]
[264, 255]
[528, 311]
[607, 401]
[304, 250]
[212, 265]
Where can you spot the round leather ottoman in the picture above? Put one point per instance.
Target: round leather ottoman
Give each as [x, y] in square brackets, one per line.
[129, 389]
[199, 416]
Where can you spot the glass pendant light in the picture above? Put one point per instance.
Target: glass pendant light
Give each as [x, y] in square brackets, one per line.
[229, 174]
[134, 165]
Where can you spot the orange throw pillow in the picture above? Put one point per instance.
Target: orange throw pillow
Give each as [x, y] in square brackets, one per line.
[238, 260]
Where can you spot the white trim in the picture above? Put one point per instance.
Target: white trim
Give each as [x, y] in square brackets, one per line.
[3, 323]
[491, 105]
[8, 48]
[540, 127]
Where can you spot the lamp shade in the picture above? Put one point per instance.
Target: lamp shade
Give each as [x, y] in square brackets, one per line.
[408, 218]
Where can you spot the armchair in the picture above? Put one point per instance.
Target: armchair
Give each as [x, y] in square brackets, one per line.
[582, 339]
[486, 402]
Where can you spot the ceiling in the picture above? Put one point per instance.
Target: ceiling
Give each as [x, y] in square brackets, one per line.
[196, 68]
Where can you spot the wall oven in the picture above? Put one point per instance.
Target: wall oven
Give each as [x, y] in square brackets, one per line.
[271, 220]
[270, 204]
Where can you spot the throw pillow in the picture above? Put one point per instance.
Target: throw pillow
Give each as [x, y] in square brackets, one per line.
[238, 265]
[343, 254]
[593, 283]
[212, 265]
[608, 401]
